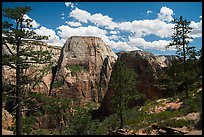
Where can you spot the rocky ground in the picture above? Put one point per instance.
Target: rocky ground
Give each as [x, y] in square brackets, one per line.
[7, 122]
[154, 129]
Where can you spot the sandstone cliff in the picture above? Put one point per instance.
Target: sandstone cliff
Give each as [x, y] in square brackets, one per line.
[147, 67]
[83, 69]
[80, 69]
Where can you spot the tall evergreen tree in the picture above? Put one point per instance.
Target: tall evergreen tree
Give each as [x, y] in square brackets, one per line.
[123, 82]
[18, 34]
[180, 39]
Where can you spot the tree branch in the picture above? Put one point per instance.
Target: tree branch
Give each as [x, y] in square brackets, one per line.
[8, 48]
[33, 62]
[7, 64]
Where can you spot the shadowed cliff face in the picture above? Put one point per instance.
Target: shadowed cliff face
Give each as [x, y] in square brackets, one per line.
[83, 70]
[147, 67]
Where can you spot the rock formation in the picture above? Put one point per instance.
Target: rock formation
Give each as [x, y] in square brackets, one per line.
[7, 122]
[80, 69]
[9, 73]
[83, 69]
[147, 67]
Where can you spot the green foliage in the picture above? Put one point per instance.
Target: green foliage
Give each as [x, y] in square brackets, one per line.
[75, 68]
[123, 82]
[174, 80]
[81, 123]
[45, 132]
[135, 119]
[193, 104]
[107, 124]
[180, 39]
[22, 57]
[57, 83]
[166, 83]
[40, 105]
[176, 123]
[28, 124]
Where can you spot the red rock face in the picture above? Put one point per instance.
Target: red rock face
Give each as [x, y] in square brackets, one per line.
[84, 69]
[7, 122]
[7, 119]
[80, 69]
[147, 66]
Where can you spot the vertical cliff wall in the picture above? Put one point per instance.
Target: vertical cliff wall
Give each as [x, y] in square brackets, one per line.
[83, 69]
[147, 67]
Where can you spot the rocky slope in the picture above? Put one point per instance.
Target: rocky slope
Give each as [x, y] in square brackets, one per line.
[83, 70]
[147, 67]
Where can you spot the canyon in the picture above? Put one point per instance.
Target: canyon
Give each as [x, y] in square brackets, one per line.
[82, 69]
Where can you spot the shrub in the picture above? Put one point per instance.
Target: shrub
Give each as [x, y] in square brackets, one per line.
[75, 68]
[176, 123]
[108, 123]
[81, 123]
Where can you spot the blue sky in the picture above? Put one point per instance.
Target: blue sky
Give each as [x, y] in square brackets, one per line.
[124, 26]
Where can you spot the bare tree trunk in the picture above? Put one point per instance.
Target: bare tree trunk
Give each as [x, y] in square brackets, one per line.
[184, 63]
[18, 96]
[121, 111]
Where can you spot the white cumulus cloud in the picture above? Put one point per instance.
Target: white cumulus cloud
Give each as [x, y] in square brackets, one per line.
[65, 32]
[114, 32]
[67, 4]
[111, 32]
[165, 14]
[53, 38]
[73, 24]
[140, 42]
[33, 23]
[102, 20]
[98, 19]
[197, 29]
[124, 46]
[114, 37]
[146, 27]
[80, 15]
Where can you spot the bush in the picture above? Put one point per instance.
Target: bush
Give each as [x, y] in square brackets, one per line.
[28, 124]
[108, 123]
[75, 68]
[81, 123]
[44, 132]
[193, 104]
[176, 123]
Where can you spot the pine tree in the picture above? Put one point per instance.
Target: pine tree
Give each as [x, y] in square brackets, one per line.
[15, 37]
[123, 82]
[180, 39]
